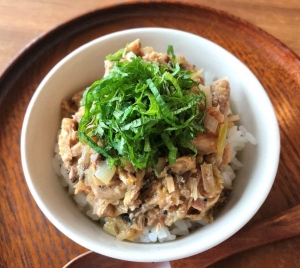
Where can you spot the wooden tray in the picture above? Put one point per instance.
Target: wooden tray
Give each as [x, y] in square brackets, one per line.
[28, 239]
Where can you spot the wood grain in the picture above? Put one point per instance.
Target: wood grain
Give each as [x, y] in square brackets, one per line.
[27, 238]
[22, 21]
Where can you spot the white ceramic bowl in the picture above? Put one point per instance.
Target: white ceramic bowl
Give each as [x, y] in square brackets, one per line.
[77, 71]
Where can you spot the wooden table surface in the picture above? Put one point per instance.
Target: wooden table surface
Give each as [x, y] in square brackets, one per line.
[21, 21]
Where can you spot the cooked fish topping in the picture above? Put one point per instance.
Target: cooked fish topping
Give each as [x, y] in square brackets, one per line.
[147, 143]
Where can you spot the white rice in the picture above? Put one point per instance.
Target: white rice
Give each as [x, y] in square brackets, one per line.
[237, 137]
[164, 234]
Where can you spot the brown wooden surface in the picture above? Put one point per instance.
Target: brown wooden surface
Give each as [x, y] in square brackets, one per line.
[27, 238]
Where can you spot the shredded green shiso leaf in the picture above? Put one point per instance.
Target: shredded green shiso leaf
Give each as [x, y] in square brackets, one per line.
[141, 111]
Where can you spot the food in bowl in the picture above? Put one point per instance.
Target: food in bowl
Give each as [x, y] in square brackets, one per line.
[85, 65]
[150, 148]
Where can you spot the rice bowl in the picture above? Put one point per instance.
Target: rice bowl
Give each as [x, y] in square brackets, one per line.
[248, 104]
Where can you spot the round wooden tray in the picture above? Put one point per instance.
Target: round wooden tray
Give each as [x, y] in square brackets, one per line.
[28, 239]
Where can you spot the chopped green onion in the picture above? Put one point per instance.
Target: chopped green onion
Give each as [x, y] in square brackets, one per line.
[222, 138]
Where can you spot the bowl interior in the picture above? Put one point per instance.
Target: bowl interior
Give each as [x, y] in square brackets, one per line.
[85, 65]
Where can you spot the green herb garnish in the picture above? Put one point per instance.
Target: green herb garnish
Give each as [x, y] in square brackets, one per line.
[141, 111]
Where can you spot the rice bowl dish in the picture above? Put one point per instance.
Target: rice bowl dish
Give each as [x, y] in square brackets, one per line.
[84, 66]
[148, 192]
